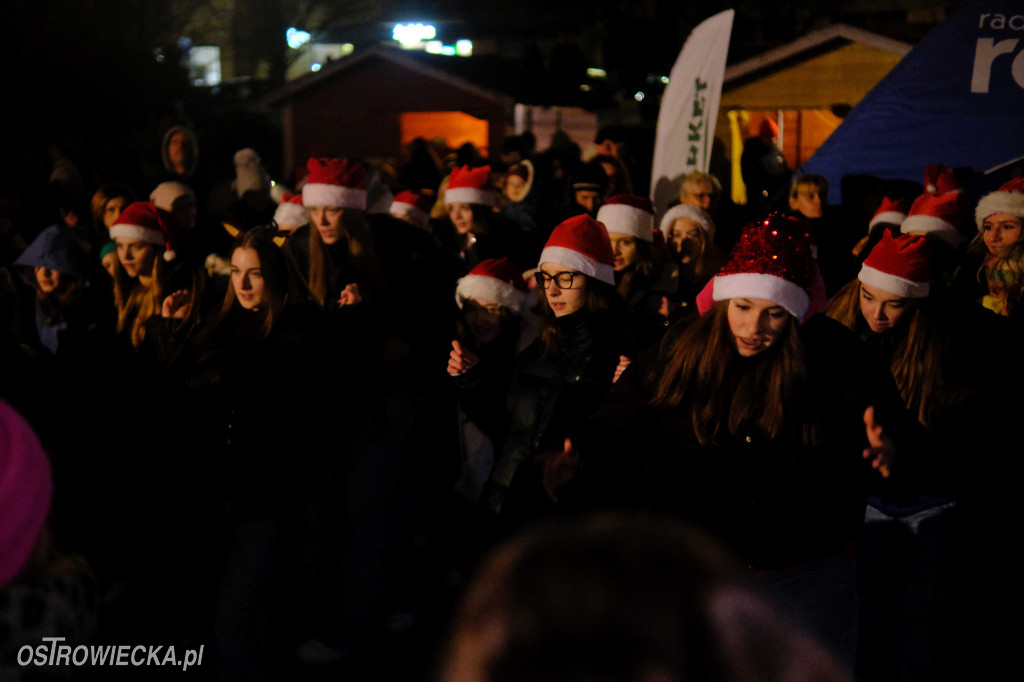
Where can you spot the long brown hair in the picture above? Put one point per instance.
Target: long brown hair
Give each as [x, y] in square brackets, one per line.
[360, 245]
[136, 302]
[274, 271]
[600, 297]
[56, 302]
[645, 264]
[917, 351]
[703, 373]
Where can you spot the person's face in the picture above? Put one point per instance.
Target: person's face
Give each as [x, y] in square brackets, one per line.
[756, 324]
[589, 199]
[624, 248]
[247, 278]
[177, 150]
[564, 301]
[685, 237]
[47, 279]
[881, 309]
[807, 201]
[515, 188]
[483, 319]
[136, 256]
[327, 220]
[112, 211]
[462, 217]
[1000, 231]
[697, 194]
[109, 263]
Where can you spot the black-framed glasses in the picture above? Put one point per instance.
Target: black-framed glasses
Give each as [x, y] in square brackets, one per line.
[562, 280]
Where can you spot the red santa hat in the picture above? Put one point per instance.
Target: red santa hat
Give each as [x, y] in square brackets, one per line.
[939, 180]
[1007, 199]
[413, 205]
[145, 222]
[470, 186]
[935, 215]
[335, 182]
[583, 244]
[496, 280]
[628, 214]
[898, 265]
[890, 212]
[290, 212]
[694, 213]
[771, 260]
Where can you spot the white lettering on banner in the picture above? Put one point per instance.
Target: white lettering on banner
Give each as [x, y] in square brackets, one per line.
[1000, 22]
[697, 128]
[985, 54]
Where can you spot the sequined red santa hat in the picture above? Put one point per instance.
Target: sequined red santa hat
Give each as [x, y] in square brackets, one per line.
[1007, 199]
[772, 261]
[935, 216]
[144, 222]
[890, 212]
[26, 489]
[495, 280]
[291, 212]
[470, 186]
[694, 213]
[899, 265]
[628, 214]
[414, 206]
[581, 243]
[335, 182]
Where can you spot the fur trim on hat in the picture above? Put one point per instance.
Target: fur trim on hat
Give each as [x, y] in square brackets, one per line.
[695, 213]
[1011, 203]
[494, 290]
[626, 219]
[893, 284]
[470, 195]
[790, 296]
[579, 262]
[316, 194]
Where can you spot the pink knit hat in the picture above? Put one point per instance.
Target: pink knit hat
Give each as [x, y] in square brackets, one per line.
[582, 243]
[26, 489]
[335, 182]
[898, 265]
[628, 214]
[470, 186]
[496, 280]
[771, 260]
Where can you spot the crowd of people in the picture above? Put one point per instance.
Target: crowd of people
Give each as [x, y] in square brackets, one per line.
[287, 423]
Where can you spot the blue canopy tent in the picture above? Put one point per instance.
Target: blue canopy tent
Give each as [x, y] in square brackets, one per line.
[957, 98]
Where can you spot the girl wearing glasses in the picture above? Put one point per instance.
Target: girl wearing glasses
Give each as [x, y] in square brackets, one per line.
[565, 374]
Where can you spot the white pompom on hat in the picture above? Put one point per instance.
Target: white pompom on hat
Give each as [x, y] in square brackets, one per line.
[470, 186]
[1007, 199]
[694, 213]
[628, 214]
[496, 280]
[335, 182]
[581, 243]
[899, 265]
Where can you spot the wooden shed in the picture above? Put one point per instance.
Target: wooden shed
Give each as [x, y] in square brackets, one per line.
[806, 87]
[371, 103]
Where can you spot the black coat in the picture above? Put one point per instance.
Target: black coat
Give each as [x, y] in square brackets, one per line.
[775, 502]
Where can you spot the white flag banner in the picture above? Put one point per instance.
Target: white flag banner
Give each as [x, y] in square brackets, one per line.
[689, 108]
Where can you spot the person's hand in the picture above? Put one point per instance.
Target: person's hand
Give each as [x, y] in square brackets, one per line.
[350, 296]
[560, 467]
[881, 450]
[621, 367]
[178, 305]
[460, 360]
